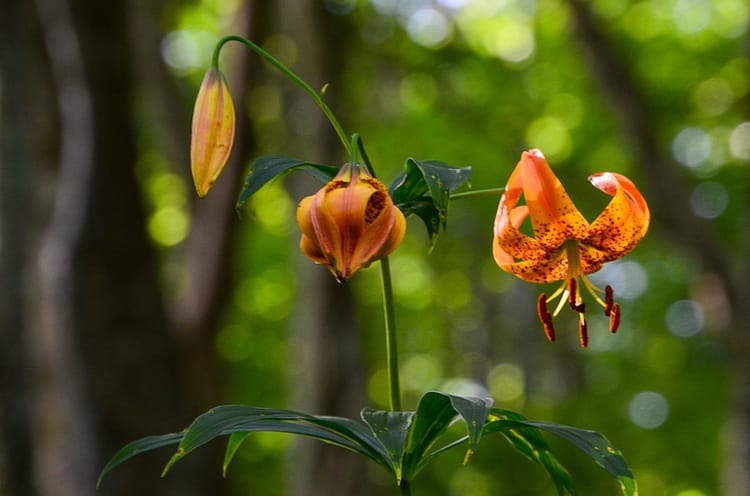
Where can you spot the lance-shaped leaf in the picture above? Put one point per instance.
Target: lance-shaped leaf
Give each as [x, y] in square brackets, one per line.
[229, 419]
[136, 448]
[599, 449]
[528, 441]
[264, 169]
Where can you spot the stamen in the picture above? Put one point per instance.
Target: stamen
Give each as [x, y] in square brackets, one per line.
[545, 317]
[583, 329]
[608, 300]
[549, 330]
[614, 318]
[572, 293]
[593, 290]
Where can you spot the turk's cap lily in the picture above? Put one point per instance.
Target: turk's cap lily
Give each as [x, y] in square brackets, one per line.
[564, 245]
[212, 131]
[350, 222]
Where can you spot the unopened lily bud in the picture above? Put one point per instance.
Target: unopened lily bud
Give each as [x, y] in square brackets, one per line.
[350, 223]
[213, 131]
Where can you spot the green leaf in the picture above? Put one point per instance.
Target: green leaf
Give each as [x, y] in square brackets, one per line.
[137, 447]
[424, 189]
[434, 415]
[599, 448]
[528, 441]
[229, 419]
[264, 169]
[235, 441]
[391, 429]
[474, 411]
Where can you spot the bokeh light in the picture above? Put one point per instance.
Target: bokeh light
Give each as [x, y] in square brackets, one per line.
[691, 147]
[739, 141]
[709, 200]
[628, 278]
[648, 409]
[685, 318]
[429, 27]
[506, 382]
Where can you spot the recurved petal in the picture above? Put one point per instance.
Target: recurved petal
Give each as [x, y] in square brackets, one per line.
[212, 131]
[509, 242]
[624, 221]
[539, 271]
[553, 215]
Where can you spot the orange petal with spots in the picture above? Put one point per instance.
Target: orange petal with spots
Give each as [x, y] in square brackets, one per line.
[553, 215]
[624, 221]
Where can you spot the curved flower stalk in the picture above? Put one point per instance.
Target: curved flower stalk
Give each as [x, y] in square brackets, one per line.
[213, 130]
[565, 246]
[349, 223]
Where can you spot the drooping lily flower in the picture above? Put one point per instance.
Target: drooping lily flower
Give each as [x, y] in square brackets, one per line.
[213, 131]
[349, 223]
[565, 246]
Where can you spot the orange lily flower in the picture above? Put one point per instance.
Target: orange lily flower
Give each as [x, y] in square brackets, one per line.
[565, 246]
[350, 223]
[213, 131]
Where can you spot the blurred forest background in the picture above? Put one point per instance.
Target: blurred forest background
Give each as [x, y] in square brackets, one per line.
[127, 307]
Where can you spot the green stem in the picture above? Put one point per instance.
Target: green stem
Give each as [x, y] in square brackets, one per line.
[405, 490]
[391, 347]
[317, 97]
[477, 192]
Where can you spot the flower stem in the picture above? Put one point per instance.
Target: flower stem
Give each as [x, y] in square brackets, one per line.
[405, 489]
[391, 347]
[317, 97]
[476, 192]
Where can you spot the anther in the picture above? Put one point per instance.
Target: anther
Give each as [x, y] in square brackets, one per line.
[583, 331]
[545, 317]
[549, 330]
[614, 318]
[608, 300]
[572, 293]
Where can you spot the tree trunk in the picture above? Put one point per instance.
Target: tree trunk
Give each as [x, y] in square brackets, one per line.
[104, 359]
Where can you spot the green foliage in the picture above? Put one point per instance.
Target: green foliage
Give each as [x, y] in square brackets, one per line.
[424, 189]
[265, 169]
[401, 442]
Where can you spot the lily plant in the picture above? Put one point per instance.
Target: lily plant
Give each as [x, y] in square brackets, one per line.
[355, 220]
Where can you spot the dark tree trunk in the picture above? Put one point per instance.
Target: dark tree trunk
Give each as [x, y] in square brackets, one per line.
[18, 48]
[83, 307]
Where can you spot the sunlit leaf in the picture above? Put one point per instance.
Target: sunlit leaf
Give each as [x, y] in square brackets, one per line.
[529, 442]
[599, 448]
[264, 169]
